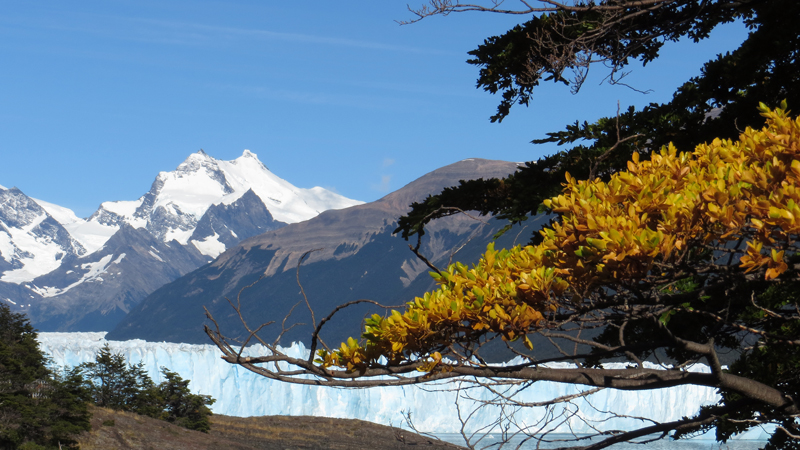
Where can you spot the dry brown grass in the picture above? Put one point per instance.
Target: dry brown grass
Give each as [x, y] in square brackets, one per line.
[132, 431]
[312, 433]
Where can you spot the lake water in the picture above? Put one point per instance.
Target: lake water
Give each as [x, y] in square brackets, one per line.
[663, 444]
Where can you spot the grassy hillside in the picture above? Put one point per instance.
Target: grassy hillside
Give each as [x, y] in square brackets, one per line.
[116, 430]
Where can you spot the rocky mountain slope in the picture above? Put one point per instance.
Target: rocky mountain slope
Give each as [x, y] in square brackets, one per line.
[72, 274]
[32, 242]
[354, 256]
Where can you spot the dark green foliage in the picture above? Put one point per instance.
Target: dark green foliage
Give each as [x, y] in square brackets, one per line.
[181, 406]
[113, 383]
[38, 409]
[721, 101]
[547, 46]
[774, 360]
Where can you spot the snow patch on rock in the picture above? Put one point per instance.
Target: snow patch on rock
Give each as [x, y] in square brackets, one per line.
[210, 246]
[93, 272]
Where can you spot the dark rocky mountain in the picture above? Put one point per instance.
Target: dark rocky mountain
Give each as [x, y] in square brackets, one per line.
[354, 256]
[94, 292]
[230, 224]
[71, 274]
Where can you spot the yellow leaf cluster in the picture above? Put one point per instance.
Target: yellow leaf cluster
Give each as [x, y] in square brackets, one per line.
[507, 292]
[610, 234]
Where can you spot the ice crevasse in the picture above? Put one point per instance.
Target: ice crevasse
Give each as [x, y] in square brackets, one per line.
[239, 392]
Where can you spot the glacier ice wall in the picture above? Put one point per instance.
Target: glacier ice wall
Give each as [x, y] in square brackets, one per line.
[239, 392]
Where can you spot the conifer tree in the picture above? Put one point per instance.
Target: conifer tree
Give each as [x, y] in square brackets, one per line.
[38, 409]
[182, 407]
[114, 383]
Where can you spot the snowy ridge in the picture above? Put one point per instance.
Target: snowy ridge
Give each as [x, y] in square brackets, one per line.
[64, 216]
[242, 393]
[36, 235]
[62, 271]
[32, 241]
[92, 235]
[177, 200]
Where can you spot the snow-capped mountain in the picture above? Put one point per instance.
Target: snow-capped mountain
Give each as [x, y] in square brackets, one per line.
[77, 274]
[357, 257]
[178, 200]
[32, 241]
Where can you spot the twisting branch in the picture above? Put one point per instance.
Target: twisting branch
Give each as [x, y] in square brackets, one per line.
[315, 334]
[449, 210]
[303, 291]
[446, 7]
[561, 36]
[596, 162]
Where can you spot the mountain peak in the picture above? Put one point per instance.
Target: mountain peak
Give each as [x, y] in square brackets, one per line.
[196, 163]
[177, 200]
[249, 162]
[197, 157]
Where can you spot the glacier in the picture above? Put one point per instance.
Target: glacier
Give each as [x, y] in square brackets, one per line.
[239, 392]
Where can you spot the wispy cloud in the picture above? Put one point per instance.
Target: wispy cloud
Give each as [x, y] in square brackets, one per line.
[307, 38]
[367, 101]
[191, 33]
[175, 32]
[424, 89]
[384, 184]
[386, 180]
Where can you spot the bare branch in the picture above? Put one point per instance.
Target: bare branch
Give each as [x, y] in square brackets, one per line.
[315, 335]
[303, 291]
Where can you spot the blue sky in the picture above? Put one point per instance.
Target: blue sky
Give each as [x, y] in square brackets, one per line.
[97, 97]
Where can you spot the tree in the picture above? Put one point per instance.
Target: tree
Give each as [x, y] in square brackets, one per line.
[575, 37]
[717, 104]
[676, 301]
[182, 407]
[115, 384]
[38, 409]
[676, 260]
[112, 382]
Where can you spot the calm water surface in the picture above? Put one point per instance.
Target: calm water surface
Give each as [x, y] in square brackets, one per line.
[664, 444]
